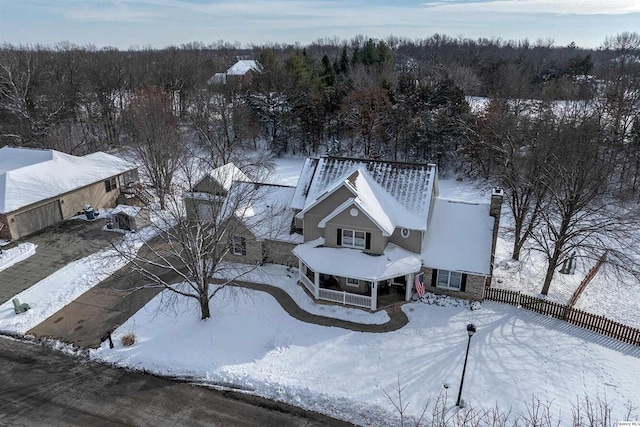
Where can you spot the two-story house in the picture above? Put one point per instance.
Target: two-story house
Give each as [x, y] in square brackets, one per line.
[373, 229]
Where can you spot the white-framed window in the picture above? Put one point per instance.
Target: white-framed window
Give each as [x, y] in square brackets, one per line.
[238, 246]
[449, 280]
[353, 282]
[354, 239]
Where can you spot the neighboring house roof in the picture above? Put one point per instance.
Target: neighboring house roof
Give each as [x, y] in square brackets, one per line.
[29, 175]
[264, 210]
[243, 66]
[393, 194]
[217, 78]
[394, 262]
[459, 237]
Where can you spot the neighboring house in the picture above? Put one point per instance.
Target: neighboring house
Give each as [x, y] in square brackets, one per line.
[240, 72]
[256, 216]
[39, 188]
[373, 229]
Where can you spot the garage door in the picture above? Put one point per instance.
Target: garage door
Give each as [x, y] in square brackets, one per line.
[38, 218]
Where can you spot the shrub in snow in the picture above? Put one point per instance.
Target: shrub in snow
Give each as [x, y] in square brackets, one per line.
[128, 340]
[447, 301]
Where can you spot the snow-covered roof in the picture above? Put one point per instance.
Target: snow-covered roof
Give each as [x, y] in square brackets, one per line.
[393, 194]
[29, 175]
[459, 237]
[126, 209]
[217, 78]
[304, 182]
[264, 210]
[354, 263]
[225, 176]
[241, 67]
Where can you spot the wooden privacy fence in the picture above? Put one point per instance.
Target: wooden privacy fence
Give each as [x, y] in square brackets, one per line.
[583, 319]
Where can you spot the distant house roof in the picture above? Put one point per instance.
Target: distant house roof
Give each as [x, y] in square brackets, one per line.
[243, 66]
[217, 78]
[459, 237]
[395, 194]
[29, 175]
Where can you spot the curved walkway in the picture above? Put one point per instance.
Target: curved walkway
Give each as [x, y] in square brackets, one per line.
[397, 317]
[86, 320]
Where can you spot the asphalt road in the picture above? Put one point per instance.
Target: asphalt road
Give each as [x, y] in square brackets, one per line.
[43, 387]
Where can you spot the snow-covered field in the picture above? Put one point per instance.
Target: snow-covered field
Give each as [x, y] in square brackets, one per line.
[254, 345]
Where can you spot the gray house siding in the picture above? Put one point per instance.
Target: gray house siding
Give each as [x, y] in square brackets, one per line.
[412, 243]
[208, 185]
[361, 222]
[253, 249]
[316, 214]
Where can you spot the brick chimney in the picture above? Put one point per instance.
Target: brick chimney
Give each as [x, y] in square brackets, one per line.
[494, 210]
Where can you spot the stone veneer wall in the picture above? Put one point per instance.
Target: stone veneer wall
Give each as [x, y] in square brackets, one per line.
[280, 253]
[474, 289]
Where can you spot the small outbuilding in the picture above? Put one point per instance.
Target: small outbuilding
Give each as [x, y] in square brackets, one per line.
[129, 218]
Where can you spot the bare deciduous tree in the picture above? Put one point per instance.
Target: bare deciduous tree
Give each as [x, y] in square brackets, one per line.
[198, 233]
[154, 138]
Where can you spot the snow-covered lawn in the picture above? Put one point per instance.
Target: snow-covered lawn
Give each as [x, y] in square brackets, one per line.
[253, 344]
[15, 255]
[606, 295]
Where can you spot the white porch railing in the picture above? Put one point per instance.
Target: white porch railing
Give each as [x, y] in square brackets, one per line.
[308, 284]
[345, 298]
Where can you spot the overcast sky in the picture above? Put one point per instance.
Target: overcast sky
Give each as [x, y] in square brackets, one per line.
[159, 23]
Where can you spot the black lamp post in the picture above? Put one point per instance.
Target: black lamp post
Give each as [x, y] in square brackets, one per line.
[471, 329]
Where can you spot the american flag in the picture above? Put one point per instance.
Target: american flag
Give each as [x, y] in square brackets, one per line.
[420, 285]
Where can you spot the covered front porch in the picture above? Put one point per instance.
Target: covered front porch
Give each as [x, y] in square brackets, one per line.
[352, 277]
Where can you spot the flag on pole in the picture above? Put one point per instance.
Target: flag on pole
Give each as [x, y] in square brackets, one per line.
[420, 285]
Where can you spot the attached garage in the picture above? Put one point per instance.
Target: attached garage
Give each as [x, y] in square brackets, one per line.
[38, 218]
[39, 188]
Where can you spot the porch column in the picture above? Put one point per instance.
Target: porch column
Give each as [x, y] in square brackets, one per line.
[316, 284]
[409, 278]
[374, 295]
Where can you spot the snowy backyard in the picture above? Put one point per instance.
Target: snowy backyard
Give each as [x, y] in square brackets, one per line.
[252, 344]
